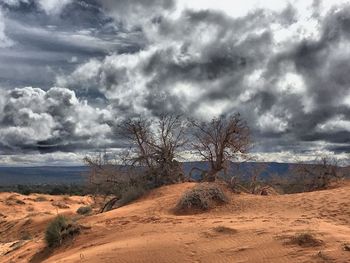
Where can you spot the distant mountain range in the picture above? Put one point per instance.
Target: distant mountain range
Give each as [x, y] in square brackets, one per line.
[42, 175]
[57, 175]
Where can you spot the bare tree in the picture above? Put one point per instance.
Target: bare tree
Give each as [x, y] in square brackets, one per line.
[106, 175]
[116, 183]
[155, 147]
[150, 161]
[319, 175]
[220, 141]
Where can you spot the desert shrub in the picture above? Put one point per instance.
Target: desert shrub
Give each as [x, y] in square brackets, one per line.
[20, 202]
[12, 200]
[346, 247]
[84, 210]
[59, 230]
[201, 197]
[224, 230]
[304, 240]
[40, 199]
[30, 209]
[66, 198]
[60, 204]
[129, 194]
[26, 236]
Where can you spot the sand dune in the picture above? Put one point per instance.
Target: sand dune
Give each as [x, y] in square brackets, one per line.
[248, 229]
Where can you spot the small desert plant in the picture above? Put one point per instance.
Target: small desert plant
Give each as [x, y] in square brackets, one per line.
[84, 210]
[40, 199]
[201, 197]
[30, 209]
[20, 202]
[346, 247]
[66, 198]
[304, 240]
[324, 257]
[60, 229]
[26, 236]
[224, 230]
[60, 204]
[12, 200]
[131, 194]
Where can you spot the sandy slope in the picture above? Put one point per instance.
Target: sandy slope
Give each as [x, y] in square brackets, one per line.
[148, 231]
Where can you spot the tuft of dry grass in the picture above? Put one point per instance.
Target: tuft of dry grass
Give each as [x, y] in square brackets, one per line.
[304, 240]
[26, 236]
[84, 210]
[324, 257]
[224, 230]
[59, 230]
[30, 209]
[60, 205]
[202, 197]
[40, 199]
[66, 198]
[12, 200]
[15, 246]
[346, 247]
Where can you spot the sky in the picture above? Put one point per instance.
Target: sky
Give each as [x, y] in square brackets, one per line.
[71, 70]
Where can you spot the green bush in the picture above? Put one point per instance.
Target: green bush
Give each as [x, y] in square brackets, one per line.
[60, 229]
[201, 197]
[84, 210]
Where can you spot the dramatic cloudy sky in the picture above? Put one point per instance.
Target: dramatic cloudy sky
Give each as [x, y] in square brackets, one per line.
[71, 69]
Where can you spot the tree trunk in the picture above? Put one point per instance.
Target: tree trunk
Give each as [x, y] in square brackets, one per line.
[211, 176]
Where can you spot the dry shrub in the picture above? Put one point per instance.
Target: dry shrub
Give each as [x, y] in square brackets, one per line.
[324, 257]
[40, 199]
[26, 236]
[346, 247]
[20, 202]
[224, 230]
[12, 200]
[131, 193]
[59, 230]
[60, 205]
[15, 246]
[202, 197]
[30, 209]
[304, 240]
[66, 198]
[84, 210]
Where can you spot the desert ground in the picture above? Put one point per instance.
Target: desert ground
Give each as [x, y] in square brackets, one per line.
[249, 229]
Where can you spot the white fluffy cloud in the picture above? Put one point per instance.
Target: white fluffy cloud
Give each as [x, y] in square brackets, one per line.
[53, 7]
[15, 2]
[33, 118]
[4, 40]
[137, 12]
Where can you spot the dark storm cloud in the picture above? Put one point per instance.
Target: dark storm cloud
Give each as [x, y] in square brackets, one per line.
[323, 65]
[50, 43]
[130, 57]
[228, 52]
